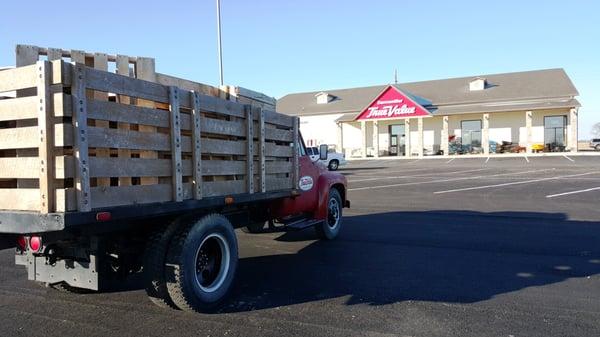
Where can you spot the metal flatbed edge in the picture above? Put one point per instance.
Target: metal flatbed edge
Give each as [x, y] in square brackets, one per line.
[24, 222]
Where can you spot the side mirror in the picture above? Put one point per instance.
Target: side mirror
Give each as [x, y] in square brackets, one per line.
[323, 149]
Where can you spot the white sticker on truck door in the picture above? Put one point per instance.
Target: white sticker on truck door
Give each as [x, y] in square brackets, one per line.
[306, 183]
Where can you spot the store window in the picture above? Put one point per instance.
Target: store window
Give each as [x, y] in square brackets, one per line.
[471, 136]
[555, 132]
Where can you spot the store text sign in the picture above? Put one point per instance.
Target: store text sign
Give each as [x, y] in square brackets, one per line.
[392, 104]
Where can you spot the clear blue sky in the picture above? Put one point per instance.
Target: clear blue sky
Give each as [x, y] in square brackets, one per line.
[280, 47]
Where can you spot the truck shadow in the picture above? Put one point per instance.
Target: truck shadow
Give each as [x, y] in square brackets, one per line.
[447, 256]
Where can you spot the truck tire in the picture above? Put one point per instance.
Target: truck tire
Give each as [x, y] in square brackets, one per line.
[330, 228]
[201, 264]
[597, 147]
[154, 265]
[333, 165]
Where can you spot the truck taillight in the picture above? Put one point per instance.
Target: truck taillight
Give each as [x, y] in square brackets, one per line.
[35, 243]
[22, 243]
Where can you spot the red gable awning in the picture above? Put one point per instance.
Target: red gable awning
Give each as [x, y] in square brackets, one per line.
[392, 103]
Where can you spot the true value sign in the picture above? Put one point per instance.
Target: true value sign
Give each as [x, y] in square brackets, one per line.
[392, 103]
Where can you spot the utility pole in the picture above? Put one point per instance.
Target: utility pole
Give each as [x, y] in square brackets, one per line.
[395, 76]
[221, 82]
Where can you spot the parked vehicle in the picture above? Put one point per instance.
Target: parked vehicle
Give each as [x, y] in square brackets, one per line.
[595, 144]
[202, 167]
[334, 160]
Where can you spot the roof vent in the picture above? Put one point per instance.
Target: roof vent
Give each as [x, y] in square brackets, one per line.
[324, 98]
[477, 84]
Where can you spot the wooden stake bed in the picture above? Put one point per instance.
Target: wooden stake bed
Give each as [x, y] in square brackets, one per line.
[77, 140]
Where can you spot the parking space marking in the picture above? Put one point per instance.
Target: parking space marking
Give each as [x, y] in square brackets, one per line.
[449, 161]
[527, 159]
[488, 159]
[512, 183]
[568, 158]
[443, 180]
[416, 175]
[573, 192]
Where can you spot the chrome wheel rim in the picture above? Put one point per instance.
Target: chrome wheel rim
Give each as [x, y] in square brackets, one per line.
[212, 262]
[333, 214]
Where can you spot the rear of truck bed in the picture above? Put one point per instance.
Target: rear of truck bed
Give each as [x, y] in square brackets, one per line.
[80, 145]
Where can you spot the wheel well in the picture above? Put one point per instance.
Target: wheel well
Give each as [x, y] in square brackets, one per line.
[340, 188]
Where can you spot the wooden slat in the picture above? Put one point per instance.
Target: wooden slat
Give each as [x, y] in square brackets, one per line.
[275, 184]
[19, 138]
[223, 127]
[223, 167]
[261, 150]
[175, 134]
[215, 104]
[122, 63]
[18, 108]
[196, 145]
[110, 196]
[101, 63]
[18, 78]
[122, 113]
[295, 163]
[46, 138]
[134, 140]
[19, 168]
[222, 188]
[249, 149]
[54, 54]
[280, 119]
[81, 141]
[22, 199]
[279, 135]
[278, 166]
[217, 146]
[145, 70]
[123, 85]
[122, 167]
[273, 150]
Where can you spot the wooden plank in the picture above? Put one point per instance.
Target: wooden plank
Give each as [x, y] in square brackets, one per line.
[279, 135]
[122, 63]
[177, 178]
[19, 168]
[276, 184]
[145, 70]
[110, 196]
[273, 150]
[217, 146]
[18, 78]
[46, 138]
[134, 140]
[223, 127]
[278, 166]
[62, 104]
[123, 85]
[261, 150]
[26, 55]
[122, 113]
[223, 167]
[61, 72]
[81, 141]
[124, 167]
[223, 188]
[22, 199]
[280, 119]
[54, 54]
[215, 104]
[197, 146]
[249, 149]
[187, 85]
[101, 63]
[78, 56]
[18, 108]
[296, 149]
[19, 138]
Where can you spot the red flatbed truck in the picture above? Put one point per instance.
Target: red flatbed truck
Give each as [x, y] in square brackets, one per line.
[90, 230]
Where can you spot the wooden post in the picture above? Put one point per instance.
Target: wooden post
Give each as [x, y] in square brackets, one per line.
[528, 130]
[177, 169]
[101, 63]
[46, 128]
[249, 149]
[295, 161]
[485, 134]
[197, 145]
[407, 145]
[444, 136]
[123, 69]
[261, 150]
[80, 138]
[145, 70]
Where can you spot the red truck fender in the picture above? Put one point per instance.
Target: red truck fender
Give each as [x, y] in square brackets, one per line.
[326, 182]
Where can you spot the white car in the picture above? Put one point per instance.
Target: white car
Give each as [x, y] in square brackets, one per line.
[334, 160]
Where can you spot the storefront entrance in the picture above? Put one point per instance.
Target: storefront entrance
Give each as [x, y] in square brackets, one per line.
[555, 132]
[397, 140]
[471, 136]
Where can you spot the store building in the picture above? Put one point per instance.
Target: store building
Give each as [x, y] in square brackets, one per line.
[515, 112]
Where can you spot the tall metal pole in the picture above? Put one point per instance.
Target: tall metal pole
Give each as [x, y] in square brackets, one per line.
[221, 83]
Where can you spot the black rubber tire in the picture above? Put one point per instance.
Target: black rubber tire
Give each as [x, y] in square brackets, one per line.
[63, 287]
[333, 165]
[180, 269]
[155, 256]
[325, 230]
[597, 147]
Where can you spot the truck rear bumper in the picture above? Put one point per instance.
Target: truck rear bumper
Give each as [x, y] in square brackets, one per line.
[16, 222]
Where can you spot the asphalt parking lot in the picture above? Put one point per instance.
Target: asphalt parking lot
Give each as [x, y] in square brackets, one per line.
[432, 247]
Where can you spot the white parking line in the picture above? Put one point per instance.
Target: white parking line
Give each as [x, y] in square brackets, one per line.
[568, 158]
[415, 176]
[573, 192]
[488, 159]
[443, 180]
[527, 159]
[449, 161]
[512, 183]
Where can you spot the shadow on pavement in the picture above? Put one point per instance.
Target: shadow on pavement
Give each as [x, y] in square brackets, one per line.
[447, 256]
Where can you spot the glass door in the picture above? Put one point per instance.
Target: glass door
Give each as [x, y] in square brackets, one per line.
[471, 135]
[555, 133]
[396, 132]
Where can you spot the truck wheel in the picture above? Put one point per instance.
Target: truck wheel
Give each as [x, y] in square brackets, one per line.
[597, 147]
[201, 263]
[333, 165]
[330, 228]
[154, 265]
